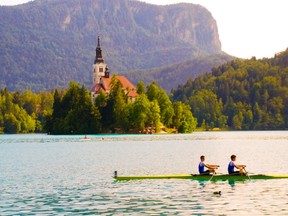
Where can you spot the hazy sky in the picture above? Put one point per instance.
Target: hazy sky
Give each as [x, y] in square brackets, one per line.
[246, 27]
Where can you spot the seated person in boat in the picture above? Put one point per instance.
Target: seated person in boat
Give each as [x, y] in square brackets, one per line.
[210, 168]
[232, 165]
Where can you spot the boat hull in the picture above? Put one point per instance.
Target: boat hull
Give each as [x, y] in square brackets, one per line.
[205, 177]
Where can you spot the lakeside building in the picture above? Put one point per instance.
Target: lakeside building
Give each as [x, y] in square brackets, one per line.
[102, 78]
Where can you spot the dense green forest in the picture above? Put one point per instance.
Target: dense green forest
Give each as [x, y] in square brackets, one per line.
[242, 95]
[24, 112]
[71, 111]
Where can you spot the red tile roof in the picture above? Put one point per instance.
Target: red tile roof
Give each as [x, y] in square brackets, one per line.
[132, 93]
[106, 86]
[96, 88]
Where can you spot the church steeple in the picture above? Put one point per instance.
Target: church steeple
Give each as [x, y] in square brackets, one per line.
[98, 58]
[99, 66]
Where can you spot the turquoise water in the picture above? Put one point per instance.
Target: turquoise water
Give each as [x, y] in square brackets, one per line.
[65, 175]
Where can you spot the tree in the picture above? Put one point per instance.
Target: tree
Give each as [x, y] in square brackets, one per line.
[84, 117]
[139, 115]
[30, 102]
[257, 116]
[54, 121]
[166, 107]
[183, 119]
[14, 119]
[74, 113]
[119, 102]
[140, 88]
[11, 124]
[154, 115]
[237, 121]
[206, 106]
[45, 110]
[152, 91]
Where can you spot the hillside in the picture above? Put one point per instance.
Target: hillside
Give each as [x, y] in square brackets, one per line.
[166, 78]
[242, 94]
[45, 44]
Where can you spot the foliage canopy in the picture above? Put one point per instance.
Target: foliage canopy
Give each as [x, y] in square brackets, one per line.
[242, 94]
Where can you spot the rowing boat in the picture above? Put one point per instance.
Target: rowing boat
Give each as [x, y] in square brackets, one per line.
[205, 177]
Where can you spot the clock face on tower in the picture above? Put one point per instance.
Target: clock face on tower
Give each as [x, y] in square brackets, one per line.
[101, 69]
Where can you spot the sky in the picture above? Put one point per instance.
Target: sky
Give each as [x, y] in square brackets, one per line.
[246, 27]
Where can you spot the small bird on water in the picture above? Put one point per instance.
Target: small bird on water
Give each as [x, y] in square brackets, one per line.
[217, 193]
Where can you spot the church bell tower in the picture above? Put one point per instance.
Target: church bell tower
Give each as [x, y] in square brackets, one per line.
[99, 66]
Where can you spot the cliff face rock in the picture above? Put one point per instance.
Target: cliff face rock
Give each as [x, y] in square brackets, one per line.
[190, 24]
[44, 44]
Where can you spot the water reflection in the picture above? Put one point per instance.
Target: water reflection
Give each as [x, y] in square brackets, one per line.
[231, 183]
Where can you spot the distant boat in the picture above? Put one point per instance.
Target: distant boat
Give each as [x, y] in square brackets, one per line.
[86, 138]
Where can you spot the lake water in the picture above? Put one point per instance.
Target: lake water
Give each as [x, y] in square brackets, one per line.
[64, 175]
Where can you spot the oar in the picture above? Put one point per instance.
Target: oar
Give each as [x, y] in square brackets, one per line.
[247, 173]
[212, 176]
[219, 173]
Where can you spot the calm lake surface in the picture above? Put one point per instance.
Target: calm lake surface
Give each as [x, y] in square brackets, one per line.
[65, 175]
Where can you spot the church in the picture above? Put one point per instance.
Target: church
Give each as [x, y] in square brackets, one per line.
[102, 78]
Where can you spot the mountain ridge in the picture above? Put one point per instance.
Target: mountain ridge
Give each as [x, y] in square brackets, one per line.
[45, 44]
[165, 76]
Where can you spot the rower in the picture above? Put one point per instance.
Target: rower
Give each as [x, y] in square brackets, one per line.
[202, 165]
[231, 166]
